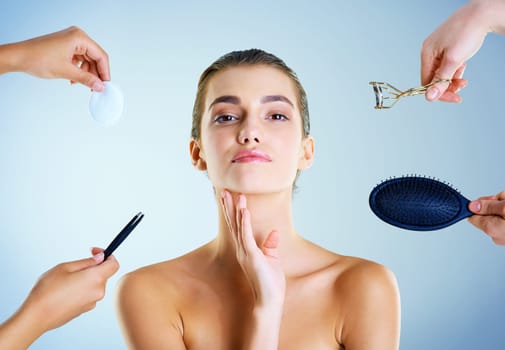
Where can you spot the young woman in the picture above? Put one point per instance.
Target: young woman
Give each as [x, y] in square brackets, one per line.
[258, 284]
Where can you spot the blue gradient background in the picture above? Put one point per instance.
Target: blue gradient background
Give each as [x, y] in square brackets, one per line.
[67, 184]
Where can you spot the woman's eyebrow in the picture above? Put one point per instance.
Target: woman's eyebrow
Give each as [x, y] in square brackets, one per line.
[225, 99]
[236, 100]
[274, 98]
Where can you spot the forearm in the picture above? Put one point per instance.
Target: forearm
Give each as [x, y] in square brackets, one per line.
[19, 331]
[9, 60]
[490, 12]
[264, 329]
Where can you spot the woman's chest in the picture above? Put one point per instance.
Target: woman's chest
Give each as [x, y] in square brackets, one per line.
[221, 320]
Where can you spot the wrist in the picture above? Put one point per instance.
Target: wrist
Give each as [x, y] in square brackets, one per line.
[496, 10]
[19, 331]
[270, 305]
[267, 312]
[10, 58]
[490, 14]
[264, 329]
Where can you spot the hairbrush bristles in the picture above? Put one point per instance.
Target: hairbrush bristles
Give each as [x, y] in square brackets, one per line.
[418, 203]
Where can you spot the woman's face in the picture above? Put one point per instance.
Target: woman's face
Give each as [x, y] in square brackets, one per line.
[251, 132]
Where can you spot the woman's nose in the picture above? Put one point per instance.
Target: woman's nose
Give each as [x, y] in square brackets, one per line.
[249, 133]
[244, 139]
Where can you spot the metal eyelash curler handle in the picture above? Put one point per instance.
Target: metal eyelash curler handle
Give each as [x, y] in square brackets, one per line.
[384, 91]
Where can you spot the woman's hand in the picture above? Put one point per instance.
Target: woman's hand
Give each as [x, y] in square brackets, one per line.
[263, 271]
[69, 289]
[260, 263]
[70, 54]
[454, 42]
[490, 216]
[445, 51]
[61, 294]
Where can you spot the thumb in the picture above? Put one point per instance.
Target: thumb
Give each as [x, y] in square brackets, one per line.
[270, 244]
[488, 207]
[82, 264]
[447, 70]
[96, 250]
[85, 78]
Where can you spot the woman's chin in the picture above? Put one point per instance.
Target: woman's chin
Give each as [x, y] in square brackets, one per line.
[251, 188]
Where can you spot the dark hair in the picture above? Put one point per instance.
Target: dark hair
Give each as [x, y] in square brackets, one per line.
[247, 57]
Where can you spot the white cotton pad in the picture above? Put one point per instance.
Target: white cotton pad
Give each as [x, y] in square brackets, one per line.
[106, 107]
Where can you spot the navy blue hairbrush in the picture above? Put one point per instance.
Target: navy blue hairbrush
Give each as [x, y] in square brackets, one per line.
[418, 203]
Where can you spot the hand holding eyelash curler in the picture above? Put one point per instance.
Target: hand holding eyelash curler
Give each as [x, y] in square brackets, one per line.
[385, 92]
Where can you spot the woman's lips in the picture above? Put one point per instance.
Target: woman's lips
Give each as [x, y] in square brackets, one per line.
[250, 156]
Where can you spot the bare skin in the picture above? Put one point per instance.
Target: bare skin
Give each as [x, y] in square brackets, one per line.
[210, 304]
[258, 284]
[444, 55]
[72, 288]
[491, 216]
[61, 294]
[69, 54]
[444, 52]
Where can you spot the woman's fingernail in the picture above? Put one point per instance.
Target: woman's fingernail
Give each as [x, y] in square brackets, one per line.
[475, 206]
[98, 257]
[432, 93]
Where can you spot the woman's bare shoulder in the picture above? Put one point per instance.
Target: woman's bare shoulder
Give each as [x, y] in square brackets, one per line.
[368, 301]
[367, 285]
[155, 294]
[362, 272]
[354, 277]
[345, 268]
[341, 266]
[150, 300]
[353, 274]
[163, 278]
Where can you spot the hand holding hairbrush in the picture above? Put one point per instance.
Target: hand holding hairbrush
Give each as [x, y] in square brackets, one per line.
[418, 203]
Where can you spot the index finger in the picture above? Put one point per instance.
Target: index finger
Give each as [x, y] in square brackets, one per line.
[93, 52]
[487, 197]
[108, 267]
[227, 204]
[428, 66]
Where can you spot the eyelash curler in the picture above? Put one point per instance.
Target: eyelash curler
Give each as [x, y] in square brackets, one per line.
[385, 92]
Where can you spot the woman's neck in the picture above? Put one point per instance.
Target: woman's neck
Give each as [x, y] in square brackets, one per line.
[272, 211]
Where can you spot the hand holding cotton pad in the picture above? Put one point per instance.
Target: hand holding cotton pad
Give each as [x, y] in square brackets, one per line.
[106, 107]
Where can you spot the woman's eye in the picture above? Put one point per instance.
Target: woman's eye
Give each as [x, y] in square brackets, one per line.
[225, 118]
[278, 116]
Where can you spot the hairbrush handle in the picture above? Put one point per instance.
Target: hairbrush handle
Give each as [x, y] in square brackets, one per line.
[465, 211]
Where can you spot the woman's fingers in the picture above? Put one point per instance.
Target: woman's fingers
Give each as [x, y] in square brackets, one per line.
[231, 217]
[238, 219]
[226, 212]
[270, 244]
[493, 226]
[246, 233]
